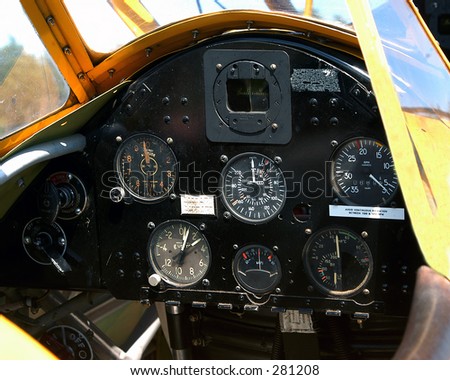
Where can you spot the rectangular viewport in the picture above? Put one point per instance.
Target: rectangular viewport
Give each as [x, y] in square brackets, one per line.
[248, 95]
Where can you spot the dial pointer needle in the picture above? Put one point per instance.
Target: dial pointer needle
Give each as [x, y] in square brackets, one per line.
[378, 183]
[253, 171]
[183, 246]
[146, 155]
[338, 254]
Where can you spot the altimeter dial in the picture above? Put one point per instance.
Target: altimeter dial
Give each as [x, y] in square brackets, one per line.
[253, 188]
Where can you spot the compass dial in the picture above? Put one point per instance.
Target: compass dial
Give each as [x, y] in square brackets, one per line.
[253, 188]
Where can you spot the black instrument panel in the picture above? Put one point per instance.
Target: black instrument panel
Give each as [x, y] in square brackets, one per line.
[242, 173]
[256, 127]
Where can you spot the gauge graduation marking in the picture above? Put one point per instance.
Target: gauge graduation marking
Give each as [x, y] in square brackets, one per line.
[147, 167]
[253, 188]
[338, 261]
[179, 253]
[363, 173]
[257, 269]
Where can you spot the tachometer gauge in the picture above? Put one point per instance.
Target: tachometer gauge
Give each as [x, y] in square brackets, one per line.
[363, 173]
[179, 253]
[338, 261]
[147, 167]
[253, 188]
[257, 269]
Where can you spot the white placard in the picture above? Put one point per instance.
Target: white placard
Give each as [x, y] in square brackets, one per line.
[367, 212]
[197, 204]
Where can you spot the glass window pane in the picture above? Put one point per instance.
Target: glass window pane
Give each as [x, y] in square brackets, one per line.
[30, 84]
[123, 21]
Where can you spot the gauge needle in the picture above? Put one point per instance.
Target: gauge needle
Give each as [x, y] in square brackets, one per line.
[378, 183]
[259, 259]
[185, 238]
[180, 255]
[196, 242]
[146, 155]
[253, 171]
[338, 254]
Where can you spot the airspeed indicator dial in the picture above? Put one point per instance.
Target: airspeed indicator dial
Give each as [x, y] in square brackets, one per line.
[253, 188]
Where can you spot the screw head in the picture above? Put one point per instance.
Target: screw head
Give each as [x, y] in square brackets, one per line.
[227, 215]
[223, 159]
[169, 140]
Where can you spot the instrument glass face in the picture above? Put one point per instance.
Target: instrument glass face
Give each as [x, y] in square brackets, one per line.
[147, 167]
[253, 188]
[363, 173]
[257, 269]
[179, 253]
[338, 261]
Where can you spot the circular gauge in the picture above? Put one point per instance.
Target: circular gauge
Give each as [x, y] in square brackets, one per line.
[363, 173]
[257, 269]
[179, 253]
[253, 188]
[67, 343]
[147, 167]
[338, 261]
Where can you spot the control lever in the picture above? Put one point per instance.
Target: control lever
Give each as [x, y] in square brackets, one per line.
[44, 243]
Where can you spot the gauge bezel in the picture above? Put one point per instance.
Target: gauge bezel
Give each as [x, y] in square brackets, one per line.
[117, 164]
[80, 336]
[309, 271]
[156, 267]
[225, 201]
[340, 193]
[255, 292]
[57, 229]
